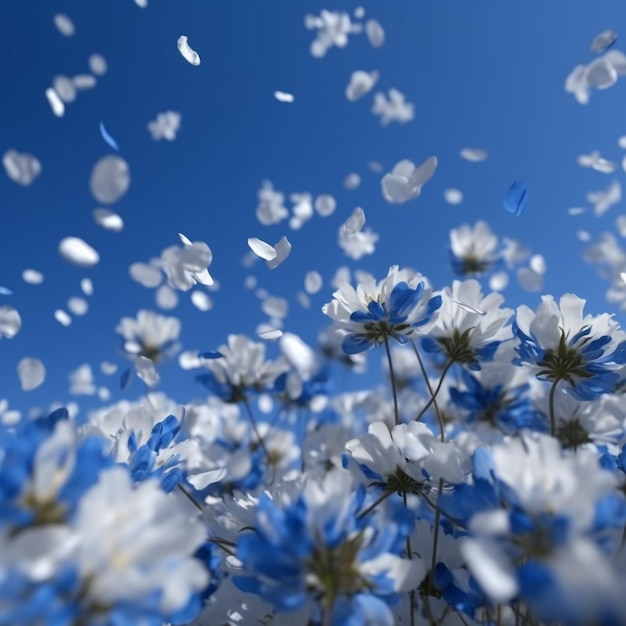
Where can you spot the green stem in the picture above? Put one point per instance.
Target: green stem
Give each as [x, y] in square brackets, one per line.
[551, 405]
[433, 560]
[430, 390]
[393, 382]
[409, 551]
[436, 392]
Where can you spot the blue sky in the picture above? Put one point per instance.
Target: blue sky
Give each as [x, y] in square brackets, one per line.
[488, 74]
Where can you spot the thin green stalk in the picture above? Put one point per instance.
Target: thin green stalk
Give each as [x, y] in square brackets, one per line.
[433, 560]
[436, 392]
[430, 390]
[551, 404]
[409, 551]
[393, 382]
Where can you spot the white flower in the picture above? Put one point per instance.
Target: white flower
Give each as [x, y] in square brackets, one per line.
[150, 335]
[332, 28]
[474, 249]
[136, 542]
[271, 208]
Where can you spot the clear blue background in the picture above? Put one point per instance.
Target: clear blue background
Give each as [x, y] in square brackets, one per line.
[486, 73]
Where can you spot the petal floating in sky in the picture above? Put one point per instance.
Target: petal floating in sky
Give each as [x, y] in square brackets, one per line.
[473, 155]
[108, 220]
[10, 321]
[62, 317]
[5, 291]
[313, 282]
[22, 169]
[64, 24]
[82, 82]
[55, 102]
[602, 41]
[65, 88]
[31, 373]
[77, 306]
[190, 55]
[453, 196]
[32, 277]
[110, 179]
[86, 286]
[261, 249]
[360, 83]
[375, 33]
[325, 205]
[78, 252]
[98, 64]
[108, 138]
[516, 198]
[201, 300]
[283, 249]
[283, 96]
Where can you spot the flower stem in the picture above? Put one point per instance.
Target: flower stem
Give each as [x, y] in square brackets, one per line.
[551, 405]
[393, 382]
[370, 508]
[436, 392]
[433, 560]
[256, 431]
[409, 551]
[430, 390]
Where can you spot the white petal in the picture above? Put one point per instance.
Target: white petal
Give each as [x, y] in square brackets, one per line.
[62, 317]
[110, 179]
[98, 64]
[529, 280]
[474, 155]
[583, 235]
[86, 286]
[352, 181]
[538, 263]
[325, 205]
[108, 368]
[78, 252]
[146, 275]
[185, 240]
[283, 249]
[83, 82]
[313, 282]
[354, 223]
[261, 249]
[166, 297]
[10, 321]
[299, 354]
[424, 172]
[31, 373]
[268, 332]
[108, 220]
[283, 96]
[64, 24]
[55, 102]
[32, 277]
[77, 306]
[499, 281]
[303, 300]
[453, 196]
[65, 88]
[201, 300]
[141, 3]
[22, 169]
[275, 307]
[601, 74]
[360, 83]
[375, 33]
[191, 56]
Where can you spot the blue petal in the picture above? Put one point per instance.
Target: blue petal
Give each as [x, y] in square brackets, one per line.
[108, 138]
[355, 344]
[516, 198]
[125, 379]
[210, 354]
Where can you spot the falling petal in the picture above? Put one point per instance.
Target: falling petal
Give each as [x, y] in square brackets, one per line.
[166, 298]
[78, 252]
[108, 138]
[313, 282]
[65, 88]
[32, 277]
[82, 82]
[623, 276]
[5, 291]
[31, 373]
[98, 64]
[529, 280]
[325, 205]
[352, 181]
[107, 219]
[64, 24]
[86, 286]
[473, 155]
[191, 56]
[620, 224]
[303, 300]
[602, 41]
[354, 223]
[283, 96]
[142, 4]
[375, 33]
[77, 306]
[10, 321]
[108, 368]
[576, 210]
[110, 179]
[201, 300]
[62, 317]
[283, 249]
[360, 84]
[22, 169]
[538, 263]
[583, 235]
[499, 281]
[125, 379]
[146, 275]
[516, 198]
[261, 249]
[55, 102]
[453, 196]
[185, 240]
[601, 74]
